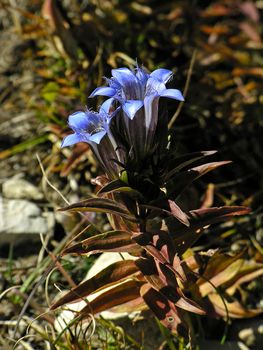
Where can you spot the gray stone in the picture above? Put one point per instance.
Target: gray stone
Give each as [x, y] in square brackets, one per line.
[17, 188]
[20, 220]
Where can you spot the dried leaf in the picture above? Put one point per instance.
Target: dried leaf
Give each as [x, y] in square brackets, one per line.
[220, 269]
[234, 309]
[248, 272]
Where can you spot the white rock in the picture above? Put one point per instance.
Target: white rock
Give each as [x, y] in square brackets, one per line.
[101, 263]
[21, 220]
[17, 188]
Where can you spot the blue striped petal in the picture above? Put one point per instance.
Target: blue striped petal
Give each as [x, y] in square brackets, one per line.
[162, 74]
[124, 76]
[154, 87]
[105, 107]
[131, 107]
[72, 139]
[142, 75]
[172, 93]
[103, 91]
[97, 137]
[78, 120]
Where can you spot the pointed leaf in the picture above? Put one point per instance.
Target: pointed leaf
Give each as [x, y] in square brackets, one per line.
[136, 304]
[118, 186]
[160, 282]
[169, 208]
[101, 205]
[160, 246]
[111, 241]
[248, 272]
[183, 179]
[163, 309]
[234, 309]
[118, 295]
[184, 237]
[219, 270]
[177, 212]
[114, 273]
[183, 161]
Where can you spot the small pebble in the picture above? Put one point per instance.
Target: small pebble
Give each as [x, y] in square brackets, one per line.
[242, 346]
[247, 336]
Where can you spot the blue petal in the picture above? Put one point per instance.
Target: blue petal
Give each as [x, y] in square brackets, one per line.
[131, 107]
[97, 137]
[151, 111]
[72, 139]
[105, 107]
[142, 75]
[172, 93]
[161, 74]
[154, 87]
[124, 76]
[103, 91]
[78, 120]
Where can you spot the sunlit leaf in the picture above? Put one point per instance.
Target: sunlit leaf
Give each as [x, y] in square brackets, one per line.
[185, 160]
[111, 241]
[118, 295]
[234, 309]
[183, 179]
[114, 273]
[101, 205]
[163, 309]
[220, 269]
[118, 186]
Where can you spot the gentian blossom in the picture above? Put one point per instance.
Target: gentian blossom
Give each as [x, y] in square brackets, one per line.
[134, 89]
[93, 128]
[130, 125]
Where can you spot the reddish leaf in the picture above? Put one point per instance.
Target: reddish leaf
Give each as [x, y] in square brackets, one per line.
[163, 309]
[101, 205]
[178, 213]
[165, 283]
[118, 295]
[114, 273]
[112, 241]
[184, 237]
[183, 161]
[167, 207]
[160, 246]
[118, 186]
[183, 179]
[250, 9]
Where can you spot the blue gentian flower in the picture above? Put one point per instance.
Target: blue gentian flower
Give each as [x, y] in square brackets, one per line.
[134, 89]
[88, 126]
[93, 128]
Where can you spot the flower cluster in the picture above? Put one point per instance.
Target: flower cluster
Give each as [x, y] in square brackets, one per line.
[126, 125]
